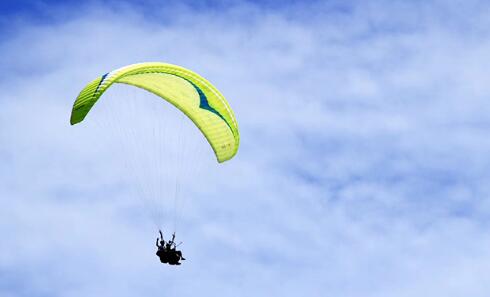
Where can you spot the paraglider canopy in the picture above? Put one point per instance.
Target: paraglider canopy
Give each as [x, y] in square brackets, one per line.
[189, 92]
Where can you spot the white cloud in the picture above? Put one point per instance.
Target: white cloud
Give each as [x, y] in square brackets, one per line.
[362, 169]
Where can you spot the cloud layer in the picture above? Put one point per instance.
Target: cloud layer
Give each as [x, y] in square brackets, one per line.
[362, 169]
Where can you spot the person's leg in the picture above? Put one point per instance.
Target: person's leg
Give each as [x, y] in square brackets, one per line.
[179, 253]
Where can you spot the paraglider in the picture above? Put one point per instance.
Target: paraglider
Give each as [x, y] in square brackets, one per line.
[167, 251]
[189, 92]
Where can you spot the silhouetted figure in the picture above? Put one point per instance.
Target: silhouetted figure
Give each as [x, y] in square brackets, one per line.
[167, 251]
[161, 248]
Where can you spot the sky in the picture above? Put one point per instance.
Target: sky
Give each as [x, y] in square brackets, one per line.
[362, 168]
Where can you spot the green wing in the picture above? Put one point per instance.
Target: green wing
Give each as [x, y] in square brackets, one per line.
[186, 90]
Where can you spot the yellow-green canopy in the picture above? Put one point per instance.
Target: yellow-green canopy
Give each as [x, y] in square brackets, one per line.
[186, 90]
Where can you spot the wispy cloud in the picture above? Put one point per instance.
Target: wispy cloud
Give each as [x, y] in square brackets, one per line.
[362, 169]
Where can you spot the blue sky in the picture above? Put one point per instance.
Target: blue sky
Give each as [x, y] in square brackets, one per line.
[362, 171]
